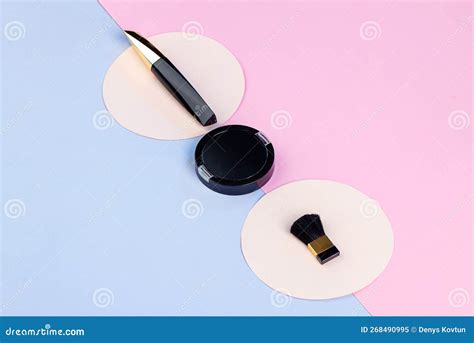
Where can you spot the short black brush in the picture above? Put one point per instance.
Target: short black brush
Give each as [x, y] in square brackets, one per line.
[310, 231]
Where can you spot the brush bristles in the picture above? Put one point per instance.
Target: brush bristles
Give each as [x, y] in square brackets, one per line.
[308, 228]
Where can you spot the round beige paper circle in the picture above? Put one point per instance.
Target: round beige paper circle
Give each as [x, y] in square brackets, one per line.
[140, 103]
[354, 223]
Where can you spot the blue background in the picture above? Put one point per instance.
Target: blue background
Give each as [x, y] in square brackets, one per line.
[103, 208]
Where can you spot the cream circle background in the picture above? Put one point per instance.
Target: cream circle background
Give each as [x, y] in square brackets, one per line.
[355, 224]
[141, 104]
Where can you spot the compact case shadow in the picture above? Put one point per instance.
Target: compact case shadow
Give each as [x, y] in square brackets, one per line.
[234, 159]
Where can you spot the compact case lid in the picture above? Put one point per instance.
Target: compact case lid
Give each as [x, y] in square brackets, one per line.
[234, 159]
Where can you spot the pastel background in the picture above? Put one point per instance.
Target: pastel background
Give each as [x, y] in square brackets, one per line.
[98, 220]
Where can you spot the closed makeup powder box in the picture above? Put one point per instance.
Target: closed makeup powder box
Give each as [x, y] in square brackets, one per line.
[234, 159]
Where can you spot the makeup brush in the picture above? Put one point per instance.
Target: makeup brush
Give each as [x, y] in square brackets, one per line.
[310, 231]
[172, 79]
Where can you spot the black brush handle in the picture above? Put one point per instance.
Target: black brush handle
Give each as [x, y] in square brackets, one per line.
[183, 91]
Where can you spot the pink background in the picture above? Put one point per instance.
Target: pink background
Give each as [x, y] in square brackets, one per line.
[387, 113]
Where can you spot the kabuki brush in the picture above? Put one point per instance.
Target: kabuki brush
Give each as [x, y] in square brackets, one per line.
[309, 230]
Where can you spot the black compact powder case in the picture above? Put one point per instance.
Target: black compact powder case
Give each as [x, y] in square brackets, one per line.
[234, 159]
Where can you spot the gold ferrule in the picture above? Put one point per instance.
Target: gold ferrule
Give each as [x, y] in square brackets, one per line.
[147, 51]
[319, 245]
